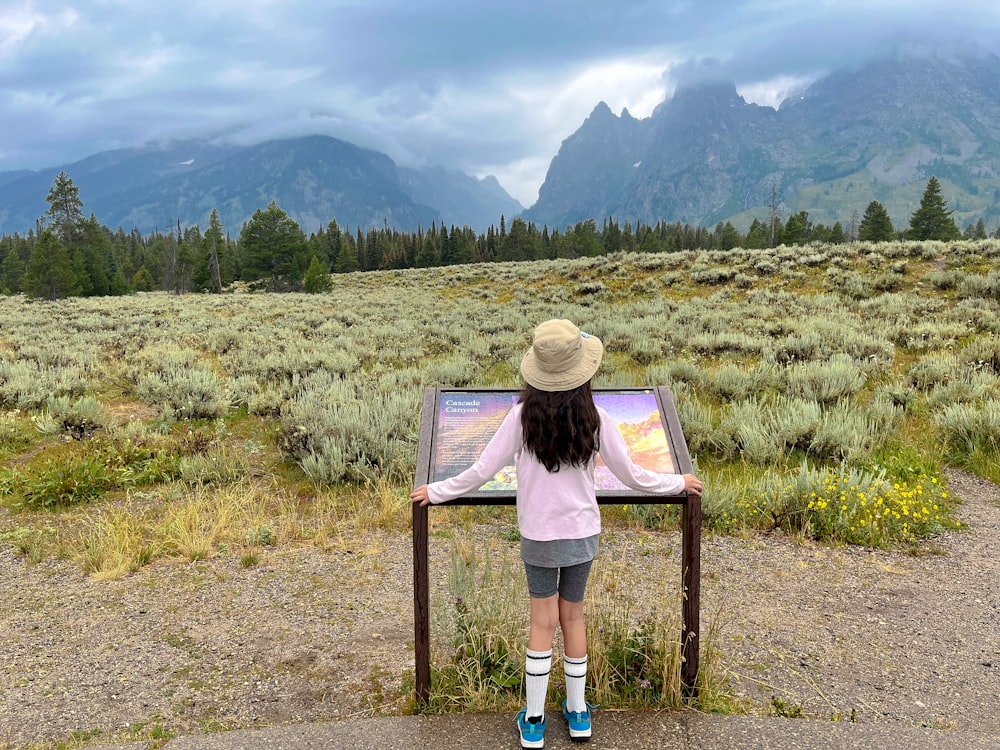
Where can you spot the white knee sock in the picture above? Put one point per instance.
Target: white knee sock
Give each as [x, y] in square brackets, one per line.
[576, 683]
[537, 666]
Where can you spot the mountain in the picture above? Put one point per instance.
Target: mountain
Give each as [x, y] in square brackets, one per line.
[877, 131]
[459, 198]
[314, 179]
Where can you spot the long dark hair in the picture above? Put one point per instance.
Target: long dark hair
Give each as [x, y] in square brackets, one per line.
[560, 428]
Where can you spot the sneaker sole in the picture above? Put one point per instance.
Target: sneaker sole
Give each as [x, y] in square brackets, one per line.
[579, 735]
[532, 743]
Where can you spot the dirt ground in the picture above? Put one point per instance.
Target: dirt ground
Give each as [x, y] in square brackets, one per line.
[311, 634]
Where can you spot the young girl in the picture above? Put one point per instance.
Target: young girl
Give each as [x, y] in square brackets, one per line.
[553, 435]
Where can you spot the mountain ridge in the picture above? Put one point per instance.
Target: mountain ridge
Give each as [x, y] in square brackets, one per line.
[314, 179]
[876, 131]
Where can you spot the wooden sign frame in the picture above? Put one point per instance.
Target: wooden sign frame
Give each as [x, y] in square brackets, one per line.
[434, 439]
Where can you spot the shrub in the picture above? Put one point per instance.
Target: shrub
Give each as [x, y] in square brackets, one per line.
[848, 433]
[83, 471]
[79, 418]
[970, 429]
[735, 382]
[932, 371]
[192, 393]
[338, 434]
[827, 381]
[849, 505]
[983, 353]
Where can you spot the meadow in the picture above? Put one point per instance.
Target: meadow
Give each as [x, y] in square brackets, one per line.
[822, 391]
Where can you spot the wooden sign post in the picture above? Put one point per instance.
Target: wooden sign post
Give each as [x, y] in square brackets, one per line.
[456, 424]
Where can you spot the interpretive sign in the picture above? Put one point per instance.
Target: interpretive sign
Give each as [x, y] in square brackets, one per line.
[466, 420]
[457, 424]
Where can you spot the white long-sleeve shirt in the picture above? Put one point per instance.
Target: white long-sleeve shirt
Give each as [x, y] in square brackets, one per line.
[559, 505]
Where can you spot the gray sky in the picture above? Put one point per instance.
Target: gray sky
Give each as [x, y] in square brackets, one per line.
[486, 86]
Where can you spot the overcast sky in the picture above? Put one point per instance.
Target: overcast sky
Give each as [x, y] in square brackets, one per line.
[485, 86]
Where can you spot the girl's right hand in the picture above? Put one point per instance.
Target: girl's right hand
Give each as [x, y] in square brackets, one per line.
[419, 496]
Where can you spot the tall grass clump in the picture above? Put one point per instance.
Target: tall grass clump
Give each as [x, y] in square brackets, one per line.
[115, 542]
[971, 434]
[634, 656]
[206, 519]
[634, 650]
[482, 665]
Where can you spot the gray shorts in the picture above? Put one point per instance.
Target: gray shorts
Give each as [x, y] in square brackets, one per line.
[570, 582]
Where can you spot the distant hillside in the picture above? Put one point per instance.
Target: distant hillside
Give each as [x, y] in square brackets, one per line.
[875, 132]
[459, 198]
[314, 179]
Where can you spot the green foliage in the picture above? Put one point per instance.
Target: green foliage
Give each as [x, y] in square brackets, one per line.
[50, 274]
[317, 278]
[65, 211]
[876, 226]
[793, 367]
[932, 220]
[78, 418]
[972, 434]
[84, 471]
[143, 280]
[273, 249]
[483, 667]
[843, 504]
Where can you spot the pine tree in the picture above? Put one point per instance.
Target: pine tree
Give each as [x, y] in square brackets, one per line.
[876, 226]
[143, 280]
[317, 277]
[932, 221]
[273, 248]
[796, 229]
[211, 246]
[11, 272]
[65, 212]
[757, 236]
[50, 272]
[346, 260]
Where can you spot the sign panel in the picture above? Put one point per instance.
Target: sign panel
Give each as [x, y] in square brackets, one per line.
[466, 420]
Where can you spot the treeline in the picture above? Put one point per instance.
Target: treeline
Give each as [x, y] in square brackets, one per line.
[70, 255]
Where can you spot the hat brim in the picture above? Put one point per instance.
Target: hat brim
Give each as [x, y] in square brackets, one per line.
[584, 370]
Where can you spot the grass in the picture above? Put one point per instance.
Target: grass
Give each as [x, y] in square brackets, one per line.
[241, 423]
[633, 642]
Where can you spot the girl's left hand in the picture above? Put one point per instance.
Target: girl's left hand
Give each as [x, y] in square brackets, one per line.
[420, 495]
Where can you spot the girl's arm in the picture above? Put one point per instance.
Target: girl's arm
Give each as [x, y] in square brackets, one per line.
[614, 451]
[499, 452]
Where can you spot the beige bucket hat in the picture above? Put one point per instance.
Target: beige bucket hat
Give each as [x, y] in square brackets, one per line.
[561, 357]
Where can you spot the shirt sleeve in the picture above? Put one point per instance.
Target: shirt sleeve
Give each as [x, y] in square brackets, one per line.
[614, 451]
[498, 453]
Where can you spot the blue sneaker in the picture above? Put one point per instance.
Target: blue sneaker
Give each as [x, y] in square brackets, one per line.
[532, 732]
[579, 722]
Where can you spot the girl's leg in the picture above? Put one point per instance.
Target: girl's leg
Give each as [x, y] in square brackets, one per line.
[574, 629]
[545, 615]
[575, 653]
[542, 587]
[572, 585]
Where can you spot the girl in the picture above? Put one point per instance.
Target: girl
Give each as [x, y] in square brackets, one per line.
[553, 435]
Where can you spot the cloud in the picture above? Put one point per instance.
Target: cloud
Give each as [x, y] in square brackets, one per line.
[488, 87]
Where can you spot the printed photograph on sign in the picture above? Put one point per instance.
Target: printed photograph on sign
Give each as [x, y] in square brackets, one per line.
[466, 420]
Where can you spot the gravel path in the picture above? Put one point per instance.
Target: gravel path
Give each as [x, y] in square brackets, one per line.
[312, 634]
